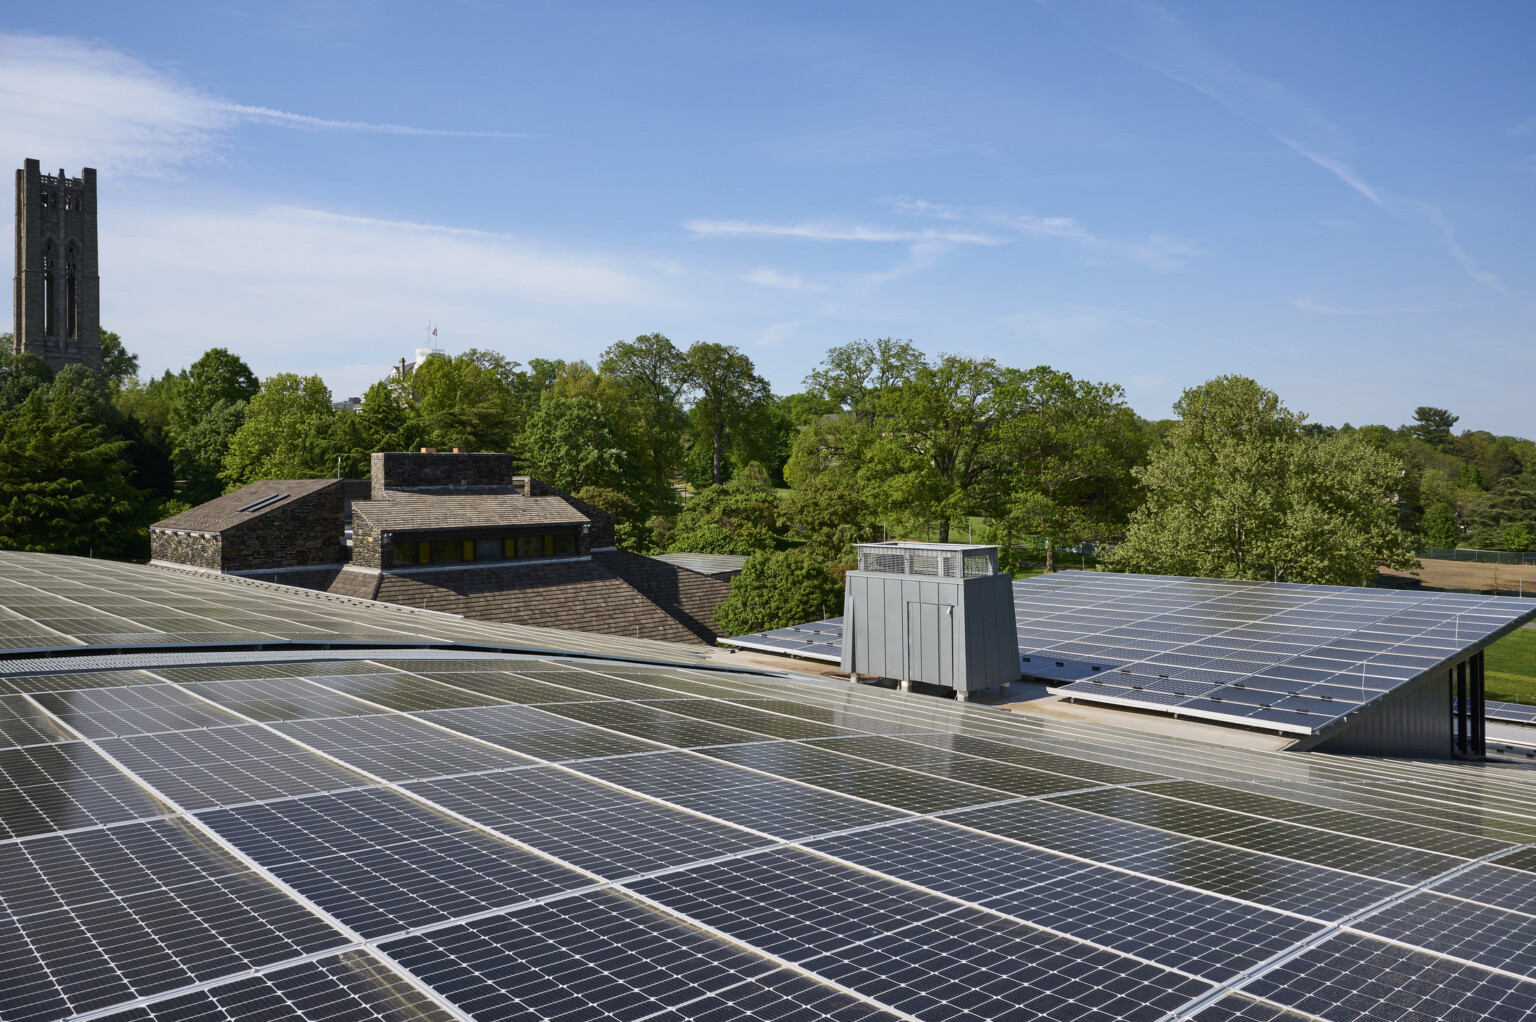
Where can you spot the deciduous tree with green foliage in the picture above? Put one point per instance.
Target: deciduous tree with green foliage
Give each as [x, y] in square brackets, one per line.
[570, 443]
[1237, 490]
[465, 401]
[728, 392]
[937, 446]
[727, 519]
[778, 589]
[831, 517]
[288, 433]
[652, 374]
[1070, 449]
[1441, 529]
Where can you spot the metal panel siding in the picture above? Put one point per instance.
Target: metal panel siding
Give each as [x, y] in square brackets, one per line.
[950, 632]
[1414, 721]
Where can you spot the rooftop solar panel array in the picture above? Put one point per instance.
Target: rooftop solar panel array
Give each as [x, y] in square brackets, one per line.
[544, 838]
[50, 603]
[408, 837]
[1291, 658]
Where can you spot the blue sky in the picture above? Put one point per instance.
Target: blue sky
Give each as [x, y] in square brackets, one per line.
[1334, 199]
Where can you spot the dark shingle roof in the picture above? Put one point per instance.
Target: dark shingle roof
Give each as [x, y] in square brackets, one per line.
[408, 512]
[576, 595]
[222, 513]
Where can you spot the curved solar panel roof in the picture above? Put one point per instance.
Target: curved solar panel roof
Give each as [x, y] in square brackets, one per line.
[406, 836]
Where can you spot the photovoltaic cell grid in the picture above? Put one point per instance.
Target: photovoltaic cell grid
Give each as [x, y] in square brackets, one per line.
[1511, 713]
[1292, 658]
[50, 603]
[536, 838]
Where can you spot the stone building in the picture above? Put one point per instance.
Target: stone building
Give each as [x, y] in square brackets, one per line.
[57, 292]
[459, 533]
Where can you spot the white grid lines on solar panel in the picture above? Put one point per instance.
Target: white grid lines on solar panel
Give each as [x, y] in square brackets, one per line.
[819, 640]
[1514, 713]
[900, 945]
[1365, 856]
[136, 910]
[605, 956]
[23, 724]
[70, 786]
[1275, 881]
[1493, 884]
[1178, 927]
[1491, 938]
[227, 766]
[1350, 969]
[140, 709]
[383, 864]
[351, 986]
[770, 806]
[367, 872]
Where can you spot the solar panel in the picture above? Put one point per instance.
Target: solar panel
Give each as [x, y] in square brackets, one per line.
[1291, 658]
[1513, 713]
[398, 840]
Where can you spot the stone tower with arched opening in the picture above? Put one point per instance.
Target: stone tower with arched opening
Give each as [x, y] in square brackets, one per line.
[57, 291]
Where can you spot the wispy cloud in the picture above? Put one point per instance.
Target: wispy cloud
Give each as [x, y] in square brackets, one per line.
[829, 231]
[767, 277]
[281, 118]
[1148, 34]
[81, 103]
[1524, 127]
[1308, 304]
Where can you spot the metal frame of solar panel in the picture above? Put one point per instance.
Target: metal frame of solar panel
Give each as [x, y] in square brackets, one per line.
[410, 837]
[1510, 713]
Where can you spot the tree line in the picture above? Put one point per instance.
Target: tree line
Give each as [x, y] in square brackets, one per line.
[691, 451]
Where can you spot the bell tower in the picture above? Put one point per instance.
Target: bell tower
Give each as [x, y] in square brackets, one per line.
[57, 290]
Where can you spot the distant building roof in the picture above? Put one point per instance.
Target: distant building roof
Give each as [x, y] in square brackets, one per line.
[244, 505]
[717, 565]
[410, 512]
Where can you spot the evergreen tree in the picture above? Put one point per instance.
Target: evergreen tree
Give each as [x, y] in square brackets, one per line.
[63, 483]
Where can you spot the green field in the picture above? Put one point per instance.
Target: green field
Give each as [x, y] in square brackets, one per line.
[1509, 668]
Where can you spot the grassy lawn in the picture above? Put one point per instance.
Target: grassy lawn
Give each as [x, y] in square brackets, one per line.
[1509, 668]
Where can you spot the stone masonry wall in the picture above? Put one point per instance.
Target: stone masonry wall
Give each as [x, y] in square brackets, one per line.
[198, 549]
[304, 532]
[367, 548]
[407, 470]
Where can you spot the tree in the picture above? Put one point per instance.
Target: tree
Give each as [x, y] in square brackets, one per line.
[652, 374]
[117, 363]
[1511, 503]
[852, 374]
[1517, 537]
[287, 433]
[936, 445]
[465, 401]
[831, 516]
[778, 589]
[729, 390]
[1432, 425]
[726, 519]
[1440, 527]
[202, 448]
[1071, 447]
[20, 375]
[1237, 490]
[218, 375]
[628, 522]
[63, 484]
[570, 443]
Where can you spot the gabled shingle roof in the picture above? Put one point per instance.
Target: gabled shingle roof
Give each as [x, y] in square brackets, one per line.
[224, 512]
[411, 512]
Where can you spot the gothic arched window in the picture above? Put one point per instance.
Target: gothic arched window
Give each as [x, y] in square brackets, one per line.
[71, 293]
[49, 294]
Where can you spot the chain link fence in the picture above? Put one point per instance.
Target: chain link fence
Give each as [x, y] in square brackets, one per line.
[1481, 556]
